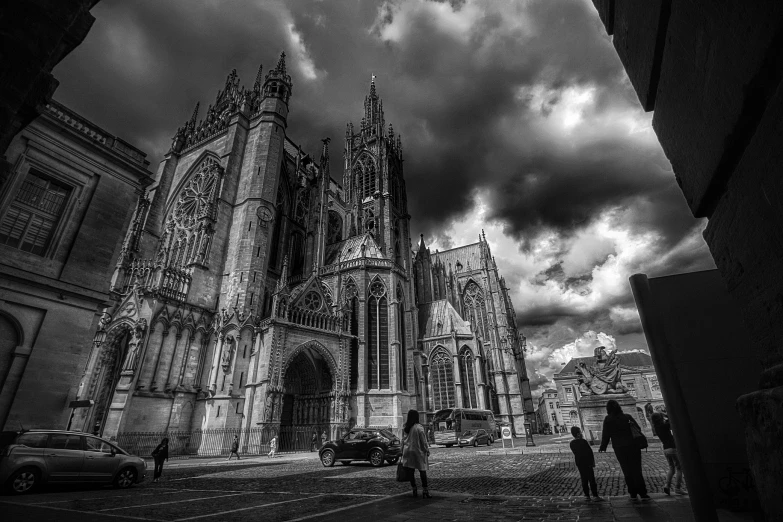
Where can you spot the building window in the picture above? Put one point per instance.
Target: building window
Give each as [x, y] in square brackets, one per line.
[469, 399]
[378, 337]
[442, 372]
[569, 392]
[33, 214]
[551, 406]
[554, 417]
[475, 310]
[402, 359]
[558, 404]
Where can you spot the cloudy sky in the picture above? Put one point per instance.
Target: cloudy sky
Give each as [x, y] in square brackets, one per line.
[516, 117]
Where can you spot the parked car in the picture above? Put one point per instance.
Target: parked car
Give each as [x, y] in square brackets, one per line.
[474, 438]
[375, 446]
[33, 457]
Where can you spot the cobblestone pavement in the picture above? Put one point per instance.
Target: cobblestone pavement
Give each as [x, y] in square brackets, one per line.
[467, 483]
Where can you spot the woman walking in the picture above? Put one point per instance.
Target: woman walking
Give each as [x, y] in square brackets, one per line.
[617, 428]
[664, 432]
[159, 454]
[272, 447]
[415, 452]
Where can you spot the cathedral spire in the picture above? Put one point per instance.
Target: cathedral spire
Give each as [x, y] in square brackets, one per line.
[373, 110]
[259, 78]
[192, 122]
[277, 83]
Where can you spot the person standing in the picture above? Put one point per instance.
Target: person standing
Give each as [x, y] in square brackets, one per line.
[234, 448]
[159, 455]
[314, 442]
[664, 432]
[617, 429]
[585, 462]
[272, 447]
[415, 452]
[323, 438]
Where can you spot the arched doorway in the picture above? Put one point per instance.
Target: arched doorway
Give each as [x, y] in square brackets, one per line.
[307, 399]
[105, 375]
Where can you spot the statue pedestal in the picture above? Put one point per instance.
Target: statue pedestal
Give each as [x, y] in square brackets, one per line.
[592, 410]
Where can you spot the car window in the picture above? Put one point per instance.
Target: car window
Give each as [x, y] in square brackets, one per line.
[94, 444]
[33, 440]
[387, 434]
[62, 441]
[480, 432]
[354, 435]
[468, 433]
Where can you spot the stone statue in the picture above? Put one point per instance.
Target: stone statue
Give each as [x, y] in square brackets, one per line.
[270, 405]
[134, 344]
[228, 348]
[603, 377]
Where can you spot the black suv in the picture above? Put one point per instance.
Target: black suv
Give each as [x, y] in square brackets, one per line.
[369, 444]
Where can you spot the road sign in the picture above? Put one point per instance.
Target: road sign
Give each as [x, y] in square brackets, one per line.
[506, 432]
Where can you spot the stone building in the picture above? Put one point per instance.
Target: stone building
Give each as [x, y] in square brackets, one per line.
[254, 291]
[64, 207]
[638, 376]
[471, 349]
[548, 411]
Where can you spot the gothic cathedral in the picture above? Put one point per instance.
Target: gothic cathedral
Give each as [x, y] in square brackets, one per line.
[254, 291]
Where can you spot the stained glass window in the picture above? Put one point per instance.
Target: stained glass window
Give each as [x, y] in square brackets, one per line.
[469, 399]
[378, 337]
[442, 376]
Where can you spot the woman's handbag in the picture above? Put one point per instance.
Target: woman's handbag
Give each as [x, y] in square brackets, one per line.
[638, 437]
[402, 471]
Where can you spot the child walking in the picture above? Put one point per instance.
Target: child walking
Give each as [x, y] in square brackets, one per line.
[585, 462]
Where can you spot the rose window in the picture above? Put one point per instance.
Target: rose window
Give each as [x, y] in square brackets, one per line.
[312, 301]
[377, 289]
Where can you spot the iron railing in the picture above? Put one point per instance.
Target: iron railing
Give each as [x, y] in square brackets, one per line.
[217, 442]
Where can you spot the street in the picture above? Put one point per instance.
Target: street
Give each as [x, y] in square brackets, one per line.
[465, 483]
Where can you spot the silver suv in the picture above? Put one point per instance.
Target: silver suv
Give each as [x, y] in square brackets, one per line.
[32, 457]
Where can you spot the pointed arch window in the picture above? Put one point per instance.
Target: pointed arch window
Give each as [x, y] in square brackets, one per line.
[188, 233]
[334, 228]
[442, 378]
[364, 173]
[274, 252]
[378, 337]
[476, 310]
[351, 299]
[297, 254]
[402, 362]
[468, 378]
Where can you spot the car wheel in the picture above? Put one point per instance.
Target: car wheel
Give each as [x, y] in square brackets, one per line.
[475, 443]
[24, 481]
[393, 461]
[489, 441]
[327, 458]
[376, 458]
[125, 478]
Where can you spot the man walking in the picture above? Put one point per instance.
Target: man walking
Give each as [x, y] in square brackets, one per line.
[234, 448]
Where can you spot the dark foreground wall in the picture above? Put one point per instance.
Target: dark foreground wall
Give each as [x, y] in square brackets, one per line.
[700, 351]
[711, 71]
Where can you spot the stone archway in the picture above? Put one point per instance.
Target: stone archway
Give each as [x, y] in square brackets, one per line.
[307, 386]
[105, 376]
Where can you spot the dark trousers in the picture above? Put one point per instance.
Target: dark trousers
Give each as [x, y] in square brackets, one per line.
[630, 460]
[587, 474]
[158, 468]
[412, 475]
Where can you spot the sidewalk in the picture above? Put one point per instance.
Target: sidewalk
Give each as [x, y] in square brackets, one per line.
[258, 460]
[545, 448]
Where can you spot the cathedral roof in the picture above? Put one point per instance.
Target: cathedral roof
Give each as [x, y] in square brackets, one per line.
[438, 318]
[631, 360]
[465, 255]
[351, 248]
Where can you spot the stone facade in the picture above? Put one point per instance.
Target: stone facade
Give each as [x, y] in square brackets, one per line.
[468, 335]
[638, 376]
[712, 73]
[253, 291]
[548, 411]
[64, 208]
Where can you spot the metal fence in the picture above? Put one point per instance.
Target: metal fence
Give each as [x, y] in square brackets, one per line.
[217, 442]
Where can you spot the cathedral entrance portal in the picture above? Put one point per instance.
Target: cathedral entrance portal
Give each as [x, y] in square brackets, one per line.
[307, 400]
